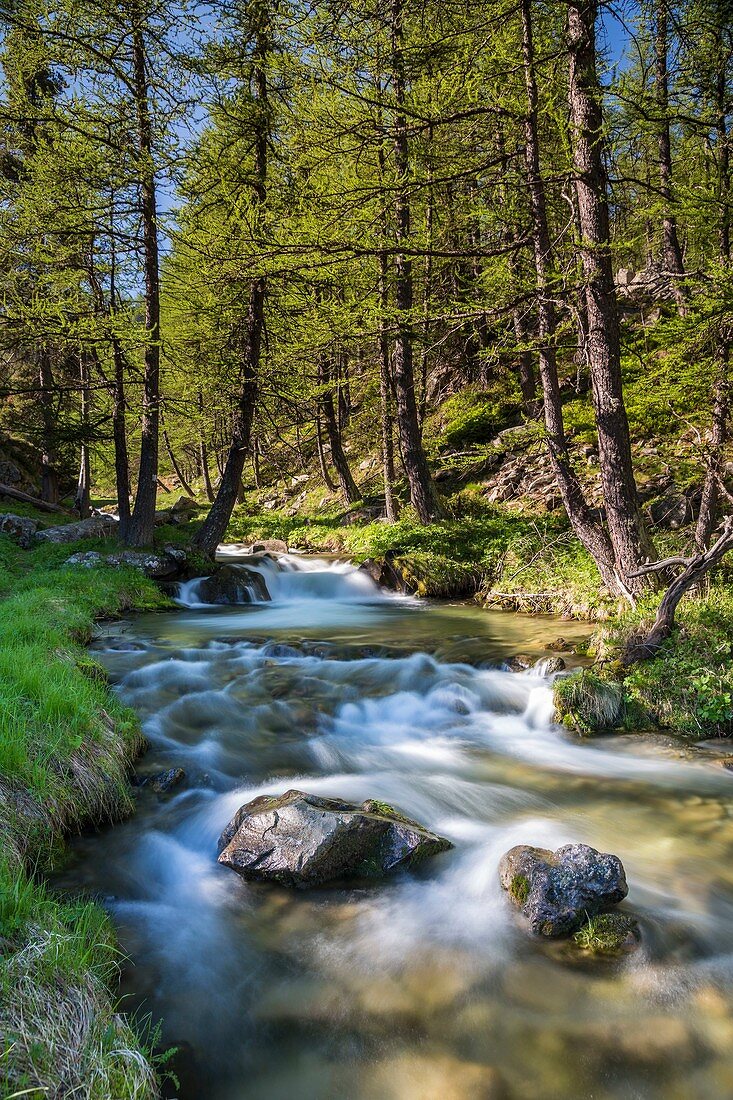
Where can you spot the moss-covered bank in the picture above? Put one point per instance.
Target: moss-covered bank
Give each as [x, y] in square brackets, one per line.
[66, 747]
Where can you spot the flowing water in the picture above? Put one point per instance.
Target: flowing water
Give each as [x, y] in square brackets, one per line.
[425, 985]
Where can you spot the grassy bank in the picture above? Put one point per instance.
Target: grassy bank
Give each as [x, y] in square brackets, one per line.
[500, 555]
[66, 746]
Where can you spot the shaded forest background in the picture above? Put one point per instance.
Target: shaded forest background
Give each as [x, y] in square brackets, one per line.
[245, 242]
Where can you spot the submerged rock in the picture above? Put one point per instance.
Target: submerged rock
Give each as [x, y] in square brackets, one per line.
[165, 781]
[560, 645]
[233, 584]
[549, 666]
[300, 839]
[558, 891]
[385, 573]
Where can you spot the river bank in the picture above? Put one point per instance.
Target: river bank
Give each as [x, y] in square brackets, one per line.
[66, 750]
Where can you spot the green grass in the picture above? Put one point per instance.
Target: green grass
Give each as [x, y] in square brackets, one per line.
[66, 746]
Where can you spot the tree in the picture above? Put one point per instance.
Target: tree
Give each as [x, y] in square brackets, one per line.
[628, 534]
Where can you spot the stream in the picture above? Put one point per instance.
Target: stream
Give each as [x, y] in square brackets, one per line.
[425, 985]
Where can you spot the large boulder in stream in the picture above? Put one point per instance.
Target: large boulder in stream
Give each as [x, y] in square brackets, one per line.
[299, 839]
[232, 584]
[558, 891]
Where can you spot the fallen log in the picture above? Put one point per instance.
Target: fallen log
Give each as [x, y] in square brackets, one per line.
[43, 505]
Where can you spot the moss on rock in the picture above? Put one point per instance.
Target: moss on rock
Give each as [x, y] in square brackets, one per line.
[608, 934]
[519, 889]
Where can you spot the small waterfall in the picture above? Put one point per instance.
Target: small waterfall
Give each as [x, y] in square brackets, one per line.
[288, 578]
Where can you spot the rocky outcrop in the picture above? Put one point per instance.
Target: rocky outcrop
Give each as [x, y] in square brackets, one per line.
[557, 891]
[233, 584]
[299, 839]
[160, 567]
[97, 527]
[20, 529]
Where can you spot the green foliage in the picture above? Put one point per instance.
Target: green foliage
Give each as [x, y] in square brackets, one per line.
[689, 686]
[57, 1021]
[545, 570]
[478, 539]
[471, 416]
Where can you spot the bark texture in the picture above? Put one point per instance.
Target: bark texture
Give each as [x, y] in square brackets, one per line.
[628, 534]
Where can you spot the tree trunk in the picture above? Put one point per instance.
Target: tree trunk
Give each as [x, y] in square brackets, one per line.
[82, 502]
[177, 469]
[347, 485]
[49, 473]
[119, 434]
[707, 517]
[327, 481]
[141, 527]
[256, 463]
[671, 251]
[695, 569]
[585, 525]
[204, 451]
[629, 537]
[525, 362]
[391, 508]
[214, 527]
[422, 491]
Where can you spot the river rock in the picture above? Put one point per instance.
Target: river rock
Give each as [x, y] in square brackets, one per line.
[269, 546]
[558, 891]
[97, 527]
[385, 573]
[165, 781]
[300, 839]
[20, 529]
[549, 666]
[233, 584]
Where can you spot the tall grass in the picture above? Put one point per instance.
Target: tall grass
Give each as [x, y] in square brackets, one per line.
[66, 745]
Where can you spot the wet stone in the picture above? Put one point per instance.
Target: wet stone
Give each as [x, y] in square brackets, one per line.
[557, 891]
[165, 781]
[299, 839]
